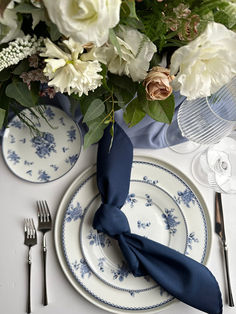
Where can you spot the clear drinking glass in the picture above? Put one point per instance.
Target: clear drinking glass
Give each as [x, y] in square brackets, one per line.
[216, 166]
[208, 120]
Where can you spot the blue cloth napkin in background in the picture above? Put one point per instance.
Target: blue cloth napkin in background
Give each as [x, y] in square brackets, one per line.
[181, 276]
[146, 134]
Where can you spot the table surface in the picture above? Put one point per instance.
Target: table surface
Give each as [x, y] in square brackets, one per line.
[18, 199]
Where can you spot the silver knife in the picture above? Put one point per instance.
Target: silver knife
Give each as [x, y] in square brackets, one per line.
[220, 230]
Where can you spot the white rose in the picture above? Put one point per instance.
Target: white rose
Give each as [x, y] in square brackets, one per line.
[206, 64]
[85, 20]
[9, 25]
[67, 72]
[136, 52]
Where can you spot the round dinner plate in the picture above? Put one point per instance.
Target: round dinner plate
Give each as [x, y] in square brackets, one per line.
[162, 205]
[45, 156]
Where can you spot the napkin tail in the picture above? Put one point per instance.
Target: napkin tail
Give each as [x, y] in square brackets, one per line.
[180, 275]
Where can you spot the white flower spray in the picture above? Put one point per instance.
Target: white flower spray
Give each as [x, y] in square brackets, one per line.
[18, 50]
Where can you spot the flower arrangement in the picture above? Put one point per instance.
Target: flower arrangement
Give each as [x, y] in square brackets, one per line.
[109, 55]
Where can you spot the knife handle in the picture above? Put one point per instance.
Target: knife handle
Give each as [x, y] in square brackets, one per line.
[226, 262]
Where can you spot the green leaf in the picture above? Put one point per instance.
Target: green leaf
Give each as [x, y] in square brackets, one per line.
[133, 113]
[5, 75]
[3, 5]
[161, 110]
[94, 134]
[123, 97]
[20, 92]
[104, 77]
[132, 22]
[2, 117]
[53, 31]
[23, 66]
[26, 8]
[95, 109]
[114, 41]
[132, 10]
[85, 101]
[122, 82]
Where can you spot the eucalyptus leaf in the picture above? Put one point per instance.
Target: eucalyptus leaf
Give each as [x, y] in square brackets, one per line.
[20, 92]
[133, 113]
[95, 109]
[123, 97]
[94, 134]
[86, 100]
[2, 117]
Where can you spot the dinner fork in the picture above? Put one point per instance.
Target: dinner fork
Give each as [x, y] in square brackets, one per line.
[30, 240]
[44, 225]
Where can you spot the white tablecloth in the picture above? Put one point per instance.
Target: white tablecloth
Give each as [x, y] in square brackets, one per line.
[18, 200]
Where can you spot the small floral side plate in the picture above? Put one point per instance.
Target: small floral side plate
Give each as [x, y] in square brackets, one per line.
[44, 156]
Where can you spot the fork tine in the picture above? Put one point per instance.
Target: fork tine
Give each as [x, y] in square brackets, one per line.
[25, 225]
[40, 212]
[33, 228]
[28, 228]
[47, 211]
[43, 211]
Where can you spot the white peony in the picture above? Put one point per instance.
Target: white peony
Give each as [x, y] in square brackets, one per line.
[85, 20]
[206, 64]
[9, 25]
[136, 52]
[67, 72]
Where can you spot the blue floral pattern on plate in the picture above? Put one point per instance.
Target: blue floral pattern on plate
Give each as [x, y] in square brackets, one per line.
[108, 295]
[121, 272]
[13, 157]
[131, 199]
[185, 197]
[52, 151]
[170, 220]
[74, 212]
[44, 144]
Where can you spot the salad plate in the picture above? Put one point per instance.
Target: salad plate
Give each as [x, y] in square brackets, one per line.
[151, 213]
[47, 154]
[162, 204]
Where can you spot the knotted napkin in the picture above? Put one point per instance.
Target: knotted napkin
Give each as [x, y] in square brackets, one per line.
[181, 276]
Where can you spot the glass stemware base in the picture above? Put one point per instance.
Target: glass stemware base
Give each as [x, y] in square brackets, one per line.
[215, 167]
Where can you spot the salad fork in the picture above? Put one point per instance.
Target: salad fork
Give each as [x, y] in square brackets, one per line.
[30, 240]
[44, 225]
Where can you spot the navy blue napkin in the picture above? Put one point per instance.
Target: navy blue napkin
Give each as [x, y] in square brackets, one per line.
[181, 276]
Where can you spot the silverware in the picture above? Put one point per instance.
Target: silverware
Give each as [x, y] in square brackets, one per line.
[44, 225]
[220, 230]
[30, 240]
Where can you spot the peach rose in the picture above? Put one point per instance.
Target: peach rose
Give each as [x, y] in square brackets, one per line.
[157, 83]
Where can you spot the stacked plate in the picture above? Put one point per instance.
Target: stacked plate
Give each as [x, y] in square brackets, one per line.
[162, 205]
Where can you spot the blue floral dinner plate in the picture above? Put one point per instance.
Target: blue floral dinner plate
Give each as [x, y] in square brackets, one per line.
[162, 204]
[47, 155]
